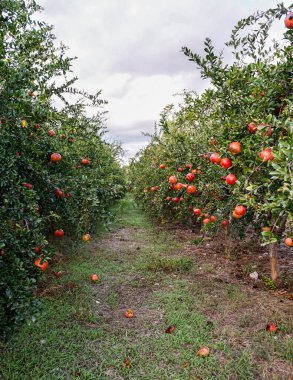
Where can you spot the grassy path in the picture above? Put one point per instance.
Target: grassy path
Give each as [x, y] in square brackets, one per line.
[83, 334]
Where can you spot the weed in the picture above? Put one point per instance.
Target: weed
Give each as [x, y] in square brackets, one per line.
[158, 263]
[198, 240]
[269, 283]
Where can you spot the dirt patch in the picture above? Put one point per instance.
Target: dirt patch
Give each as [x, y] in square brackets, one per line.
[146, 321]
[115, 297]
[56, 291]
[121, 243]
[245, 256]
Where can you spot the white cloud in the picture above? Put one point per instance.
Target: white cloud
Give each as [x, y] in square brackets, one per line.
[146, 96]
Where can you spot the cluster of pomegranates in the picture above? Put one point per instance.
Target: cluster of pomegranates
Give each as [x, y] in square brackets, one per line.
[226, 163]
[59, 233]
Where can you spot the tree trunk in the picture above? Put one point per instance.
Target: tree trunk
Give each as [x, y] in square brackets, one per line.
[228, 242]
[273, 248]
[274, 261]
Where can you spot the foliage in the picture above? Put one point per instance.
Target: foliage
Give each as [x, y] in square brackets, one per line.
[256, 89]
[34, 74]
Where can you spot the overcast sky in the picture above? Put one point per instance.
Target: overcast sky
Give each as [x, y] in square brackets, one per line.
[131, 50]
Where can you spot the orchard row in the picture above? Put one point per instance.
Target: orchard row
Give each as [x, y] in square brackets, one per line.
[58, 176]
[223, 159]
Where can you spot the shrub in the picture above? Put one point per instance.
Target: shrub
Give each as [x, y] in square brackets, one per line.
[244, 116]
[37, 195]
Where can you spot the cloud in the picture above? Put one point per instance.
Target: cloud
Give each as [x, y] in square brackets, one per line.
[133, 133]
[131, 49]
[132, 137]
[147, 95]
[131, 149]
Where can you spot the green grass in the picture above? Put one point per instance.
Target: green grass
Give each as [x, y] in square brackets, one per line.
[198, 240]
[82, 333]
[158, 263]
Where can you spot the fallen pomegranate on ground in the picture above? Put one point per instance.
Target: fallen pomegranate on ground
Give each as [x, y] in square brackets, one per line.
[203, 351]
[129, 313]
[94, 277]
[271, 327]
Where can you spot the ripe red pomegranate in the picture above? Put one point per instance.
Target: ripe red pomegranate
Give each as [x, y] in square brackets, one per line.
[173, 179]
[59, 193]
[177, 186]
[215, 158]
[289, 20]
[224, 223]
[51, 133]
[240, 210]
[59, 233]
[56, 157]
[191, 189]
[43, 266]
[190, 177]
[38, 250]
[231, 179]
[28, 185]
[269, 131]
[197, 212]
[252, 127]
[266, 155]
[235, 147]
[226, 163]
